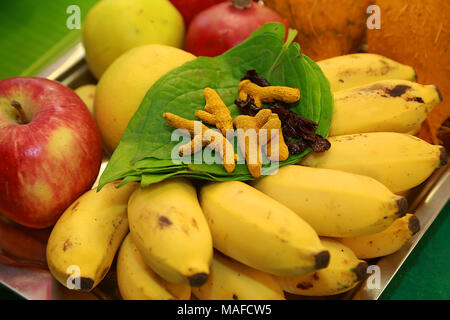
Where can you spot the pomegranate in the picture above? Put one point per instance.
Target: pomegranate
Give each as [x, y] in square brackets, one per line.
[224, 25]
[190, 8]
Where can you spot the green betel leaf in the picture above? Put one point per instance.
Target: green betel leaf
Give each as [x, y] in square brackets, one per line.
[146, 147]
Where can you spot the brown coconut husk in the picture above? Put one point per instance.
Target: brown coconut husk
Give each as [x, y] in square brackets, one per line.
[417, 33]
[325, 28]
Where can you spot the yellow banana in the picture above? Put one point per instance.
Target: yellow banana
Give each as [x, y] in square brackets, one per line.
[386, 105]
[334, 203]
[357, 69]
[231, 280]
[258, 231]
[171, 232]
[399, 161]
[385, 242]
[137, 281]
[415, 130]
[84, 241]
[343, 273]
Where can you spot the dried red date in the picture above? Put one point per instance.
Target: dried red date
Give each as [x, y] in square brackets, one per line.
[254, 77]
[294, 125]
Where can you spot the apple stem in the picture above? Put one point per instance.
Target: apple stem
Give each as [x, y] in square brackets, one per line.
[241, 4]
[16, 105]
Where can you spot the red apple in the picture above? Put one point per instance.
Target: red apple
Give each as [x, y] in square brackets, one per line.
[50, 150]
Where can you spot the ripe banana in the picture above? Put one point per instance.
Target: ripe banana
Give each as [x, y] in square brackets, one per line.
[415, 130]
[84, 241]
[386, 105]
[231, 280]
[343, 273]
[357, 69]
[397, 160]
[385, 242]
[137, 281]
[334, 203]
[258, 231]
[171, 232]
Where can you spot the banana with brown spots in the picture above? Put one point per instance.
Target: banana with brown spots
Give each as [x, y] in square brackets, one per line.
[137, 281]
[343, 273]
[169, 229]
[385, 242]
[84, 241]
[231, 280]
[352, 70]
[335, 203]
[385, 105]
[258, 231]
[399, 161]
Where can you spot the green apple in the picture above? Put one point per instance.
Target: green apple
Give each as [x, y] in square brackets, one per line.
[112, 27]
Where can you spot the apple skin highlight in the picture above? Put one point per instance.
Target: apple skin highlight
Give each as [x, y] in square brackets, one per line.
[48, 159]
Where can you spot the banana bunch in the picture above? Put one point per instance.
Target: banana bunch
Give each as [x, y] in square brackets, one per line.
[304, 230]
[375, 94]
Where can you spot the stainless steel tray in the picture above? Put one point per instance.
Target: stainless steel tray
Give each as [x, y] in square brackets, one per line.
[22, 251]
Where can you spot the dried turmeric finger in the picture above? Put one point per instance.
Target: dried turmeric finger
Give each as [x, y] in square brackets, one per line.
[182, 123]
[215, 112]
[262, 117]
[267, 94]
[195, 145]
[206, 117]
[219, 144]
[203, 137]
[274, 123]
[248, 143]
[277, 142]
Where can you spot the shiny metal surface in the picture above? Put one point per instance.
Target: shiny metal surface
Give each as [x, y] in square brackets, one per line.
[23, 268]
